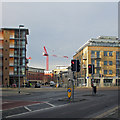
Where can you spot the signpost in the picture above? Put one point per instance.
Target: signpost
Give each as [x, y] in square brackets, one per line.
[69, 90]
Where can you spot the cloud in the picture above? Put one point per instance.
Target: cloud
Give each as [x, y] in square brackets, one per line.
[62, 27]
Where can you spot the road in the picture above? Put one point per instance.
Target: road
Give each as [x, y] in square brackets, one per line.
[53, 103]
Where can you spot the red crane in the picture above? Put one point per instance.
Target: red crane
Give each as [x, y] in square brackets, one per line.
[45, 53]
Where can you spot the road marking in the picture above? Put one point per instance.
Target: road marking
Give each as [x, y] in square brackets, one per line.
[50, 104]
[6, 102]
[34, 104]
[107, 112]
[27, 108]
[35, 111]
[22, 106]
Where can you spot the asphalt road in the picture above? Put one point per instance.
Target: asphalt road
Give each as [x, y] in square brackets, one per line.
[53, 103]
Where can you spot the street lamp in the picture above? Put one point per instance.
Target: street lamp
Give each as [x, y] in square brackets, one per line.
[19, 58]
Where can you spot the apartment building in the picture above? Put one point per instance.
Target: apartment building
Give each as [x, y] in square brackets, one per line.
[9, 55]
[104, 53]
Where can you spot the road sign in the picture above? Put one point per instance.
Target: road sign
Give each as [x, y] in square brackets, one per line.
[69, 92]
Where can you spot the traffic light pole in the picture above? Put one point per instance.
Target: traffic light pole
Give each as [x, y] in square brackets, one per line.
[73, 88]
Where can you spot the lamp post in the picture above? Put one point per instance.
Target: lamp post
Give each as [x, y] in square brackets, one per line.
[19, 58]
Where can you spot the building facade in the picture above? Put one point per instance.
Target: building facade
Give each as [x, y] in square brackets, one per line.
[35, 75]
[9, 55]
[59, 77]
[104, 53]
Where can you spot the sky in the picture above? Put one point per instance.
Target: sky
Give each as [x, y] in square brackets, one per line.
[62, 27]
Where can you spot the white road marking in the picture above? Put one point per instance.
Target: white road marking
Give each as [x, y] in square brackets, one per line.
[107, 112]
[34, 104]
[50, 104]
[22, 106]
[35, 111]
[6, 102]
[27, 108]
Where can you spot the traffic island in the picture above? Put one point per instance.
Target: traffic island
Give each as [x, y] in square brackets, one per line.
[70, 100]
[95, 95]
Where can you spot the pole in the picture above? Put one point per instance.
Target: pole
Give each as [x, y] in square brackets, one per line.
[47, 63]
[19, 62]
[73, 88]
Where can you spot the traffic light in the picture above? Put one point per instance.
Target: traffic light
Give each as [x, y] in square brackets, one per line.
[73, 65]
[91, 68]
[78, 66]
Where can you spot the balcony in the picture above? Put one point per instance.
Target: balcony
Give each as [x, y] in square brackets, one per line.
[84, 57]
[11, 36]
[11, 73]
[95, 57]
[1, 47]
[11, 46]
[97, 75]
[11, 64]
[118, 67]
[11, 55]
[84, 66]
[117, 58]
[97, 66]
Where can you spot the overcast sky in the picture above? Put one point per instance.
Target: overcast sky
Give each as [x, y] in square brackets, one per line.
[62, 27]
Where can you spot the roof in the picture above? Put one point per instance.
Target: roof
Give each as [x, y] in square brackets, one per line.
[100, 39]
[24, 29]
[35, 68]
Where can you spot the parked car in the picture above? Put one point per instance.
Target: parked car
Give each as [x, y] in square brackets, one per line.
[37, 85]
[52, 83]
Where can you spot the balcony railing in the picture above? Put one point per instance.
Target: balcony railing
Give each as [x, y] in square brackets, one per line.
[17, 46]
[97, 66]
[118, 67]
[11, 55]
[95, 57]
[84, 57]
[84, 66]
[11, 73]
[11, 46]
[11, 36]
[97, 75]
[11, 64]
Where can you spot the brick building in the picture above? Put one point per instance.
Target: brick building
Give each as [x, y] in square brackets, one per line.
[35, 75]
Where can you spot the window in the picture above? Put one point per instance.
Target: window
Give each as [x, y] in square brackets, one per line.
[110, 62]
[117, 55]
[110, 71]
[105, 62]
[98, 63]
[23, 53]
[105, 71]
[98, 71]
[98, 54]
[92, 61]
[93, 52]
[105, 53]
[110, 53]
